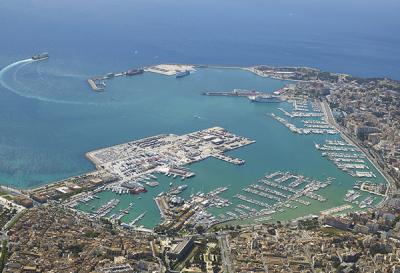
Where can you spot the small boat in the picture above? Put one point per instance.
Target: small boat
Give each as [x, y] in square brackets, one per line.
[181, 74]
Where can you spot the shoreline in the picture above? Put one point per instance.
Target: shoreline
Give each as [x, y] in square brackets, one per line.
[252, 69]
[388, 179]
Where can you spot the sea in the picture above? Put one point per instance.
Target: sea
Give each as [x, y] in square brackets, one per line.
[49, 117]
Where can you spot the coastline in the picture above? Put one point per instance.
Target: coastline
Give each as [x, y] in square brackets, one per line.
[250, 69]
[389, 180]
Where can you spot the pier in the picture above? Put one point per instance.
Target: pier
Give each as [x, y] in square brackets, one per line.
[167, 154]
[99, 86]
[137, 219]
[234, 93]
[98, 83]
[336, 209]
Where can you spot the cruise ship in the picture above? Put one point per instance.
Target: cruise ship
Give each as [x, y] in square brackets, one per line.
[41, 56]
[182, 74]
[264, 98]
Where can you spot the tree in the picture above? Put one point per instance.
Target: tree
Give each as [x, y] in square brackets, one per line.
[200, 229]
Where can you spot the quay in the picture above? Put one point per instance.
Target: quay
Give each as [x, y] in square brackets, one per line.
[234, 93]
[98, 83]
[162, 206]
[167, 154]
[171, 69]
[96, 86]
[137, 219]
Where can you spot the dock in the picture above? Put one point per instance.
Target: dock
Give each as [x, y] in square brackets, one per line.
[98, 83]
[137, 219]
[94, 86]
[167, 154]
[234, 93]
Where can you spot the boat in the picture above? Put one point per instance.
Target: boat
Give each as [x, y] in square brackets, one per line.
[181, 74]
[152, 183]
[265, 98]
[178, 189]
[133, 72]
[41, 56]
[182, 187]
[160, 194]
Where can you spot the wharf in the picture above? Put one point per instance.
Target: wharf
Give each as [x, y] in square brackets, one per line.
[167, 154]
[137, 219]
[162, 206]
[94, 86]
[169, 69]
[236, 161]
[234, 93]
[98, 83]
[336, 209]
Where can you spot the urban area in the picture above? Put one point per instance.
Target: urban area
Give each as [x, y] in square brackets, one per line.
[43, 231]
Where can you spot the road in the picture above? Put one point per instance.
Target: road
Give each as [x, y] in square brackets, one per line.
[331, 120]
[227, 266]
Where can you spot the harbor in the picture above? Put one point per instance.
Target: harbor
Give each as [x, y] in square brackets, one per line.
[137, 160]
[305, 110]
[273, 193]
[277, 194]
[144, 172]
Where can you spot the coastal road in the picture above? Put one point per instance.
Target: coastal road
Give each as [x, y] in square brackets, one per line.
[331, 120]
[227, 266]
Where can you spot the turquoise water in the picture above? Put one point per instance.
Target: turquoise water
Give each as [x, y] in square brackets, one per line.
[63, 119]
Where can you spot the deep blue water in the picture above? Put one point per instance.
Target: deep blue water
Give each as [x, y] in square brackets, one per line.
[45, 133]
[359, 36]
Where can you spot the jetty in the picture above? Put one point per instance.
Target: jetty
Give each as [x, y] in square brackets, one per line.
[137, 219]
[234, 93]
[98, 83]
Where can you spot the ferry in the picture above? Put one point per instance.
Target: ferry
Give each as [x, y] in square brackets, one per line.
[265, 99]
[181, 74]
[41, 56]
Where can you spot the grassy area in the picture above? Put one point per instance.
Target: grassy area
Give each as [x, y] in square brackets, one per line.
[8, 197]
[181, 265]
[329, 231]
[4, 255]
[16, 218]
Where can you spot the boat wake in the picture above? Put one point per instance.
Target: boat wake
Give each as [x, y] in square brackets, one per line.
[18, 65]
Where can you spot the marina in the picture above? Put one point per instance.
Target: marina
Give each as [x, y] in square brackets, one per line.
[170, 163]
[274, 196]
[346, 157]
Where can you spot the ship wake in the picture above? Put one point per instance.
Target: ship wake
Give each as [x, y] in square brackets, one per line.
[17, 66]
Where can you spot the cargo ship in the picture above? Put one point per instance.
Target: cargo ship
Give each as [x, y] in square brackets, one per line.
[181, 74]
[133, 72]
[41, 56]
[265, 98]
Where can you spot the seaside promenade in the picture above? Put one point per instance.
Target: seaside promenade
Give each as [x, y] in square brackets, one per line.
[331, 120]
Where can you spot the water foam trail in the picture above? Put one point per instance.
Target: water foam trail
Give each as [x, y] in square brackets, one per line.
[10, 88]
